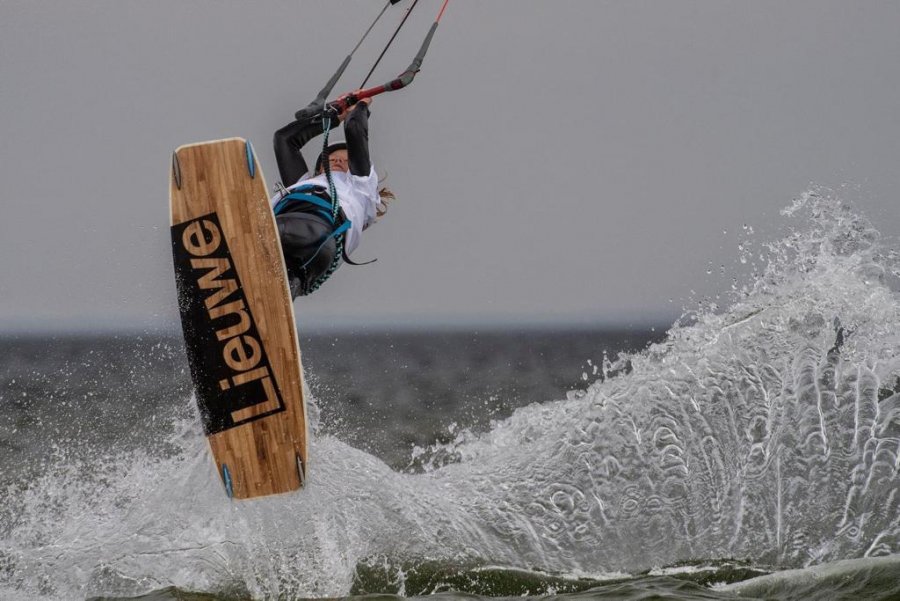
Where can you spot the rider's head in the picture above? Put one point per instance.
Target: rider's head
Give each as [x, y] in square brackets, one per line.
[337, 157]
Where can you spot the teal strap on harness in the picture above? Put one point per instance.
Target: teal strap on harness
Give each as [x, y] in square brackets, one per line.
[298, 197]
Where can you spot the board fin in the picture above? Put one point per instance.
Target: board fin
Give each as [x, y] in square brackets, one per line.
[226, 479]
[176, 170]
[301, 471]
[251, 162]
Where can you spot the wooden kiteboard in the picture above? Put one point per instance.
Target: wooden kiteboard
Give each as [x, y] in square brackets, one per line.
[237, 318]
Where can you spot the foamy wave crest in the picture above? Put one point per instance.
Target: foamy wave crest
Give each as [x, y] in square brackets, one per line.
[770, 430]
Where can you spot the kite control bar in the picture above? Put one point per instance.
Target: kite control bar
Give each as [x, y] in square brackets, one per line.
[342, 103]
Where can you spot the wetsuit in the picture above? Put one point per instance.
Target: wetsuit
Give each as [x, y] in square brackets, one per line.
[305, 235]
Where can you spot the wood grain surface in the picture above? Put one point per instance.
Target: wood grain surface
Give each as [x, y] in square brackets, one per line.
[215, 177]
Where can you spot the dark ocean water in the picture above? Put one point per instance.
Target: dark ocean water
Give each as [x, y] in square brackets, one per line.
[749, 451]
[381, 392]
[387, 392]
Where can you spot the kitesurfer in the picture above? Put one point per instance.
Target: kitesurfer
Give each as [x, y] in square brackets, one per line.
[314, 237]
[321, 217]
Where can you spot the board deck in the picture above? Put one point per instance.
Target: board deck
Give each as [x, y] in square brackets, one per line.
[237, 318]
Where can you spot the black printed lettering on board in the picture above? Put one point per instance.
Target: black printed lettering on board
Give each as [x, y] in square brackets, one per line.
[234, 381]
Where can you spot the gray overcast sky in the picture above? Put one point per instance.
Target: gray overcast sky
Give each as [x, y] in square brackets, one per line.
[564, 160]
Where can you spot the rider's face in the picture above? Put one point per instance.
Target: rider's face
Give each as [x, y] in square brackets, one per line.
[338, 160]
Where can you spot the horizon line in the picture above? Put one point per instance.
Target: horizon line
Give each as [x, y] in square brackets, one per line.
[325, 325]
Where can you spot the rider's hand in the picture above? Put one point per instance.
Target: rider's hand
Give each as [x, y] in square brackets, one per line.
[344, 113]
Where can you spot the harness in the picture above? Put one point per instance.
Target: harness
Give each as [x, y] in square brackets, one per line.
[312, 199]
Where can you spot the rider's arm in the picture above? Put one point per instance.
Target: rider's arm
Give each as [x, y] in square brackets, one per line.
[356, 130]
[288, 142]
